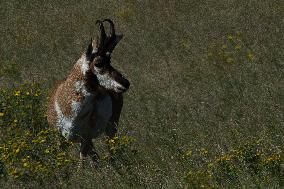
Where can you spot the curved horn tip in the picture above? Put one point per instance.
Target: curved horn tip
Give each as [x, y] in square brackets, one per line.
[108, 20]
[112, 30]
[102, 35]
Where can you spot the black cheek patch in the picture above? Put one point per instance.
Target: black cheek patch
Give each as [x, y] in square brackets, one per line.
[92, 82]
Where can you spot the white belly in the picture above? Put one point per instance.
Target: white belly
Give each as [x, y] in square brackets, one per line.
[90, 118]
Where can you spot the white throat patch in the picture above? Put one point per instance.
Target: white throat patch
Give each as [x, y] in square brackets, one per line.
[81, 88]
[107, 82]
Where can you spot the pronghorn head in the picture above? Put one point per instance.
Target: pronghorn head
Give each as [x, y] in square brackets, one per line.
[99, 54]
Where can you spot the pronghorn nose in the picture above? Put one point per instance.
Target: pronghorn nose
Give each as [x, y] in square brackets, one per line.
[127, 84]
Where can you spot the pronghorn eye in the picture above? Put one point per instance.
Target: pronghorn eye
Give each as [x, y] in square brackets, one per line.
[99, 65]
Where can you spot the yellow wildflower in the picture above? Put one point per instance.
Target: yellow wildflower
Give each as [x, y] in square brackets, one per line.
[1, 114]
[105, 157]
[27, 93]
[210, 165]
[250, 56]
[189, 173]
[226, 157]
[224, 46]
[61, 154]
[17, 151]
[14, 172]
[46, 151]
[230, 37]
[188, 153]
[238, 46]
[111, 141]
[17, 93]
[204, 151]
[28, 133]
[229, 60]
[26, 164]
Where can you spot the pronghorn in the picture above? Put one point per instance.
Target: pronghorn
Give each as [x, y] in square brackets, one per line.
[89, 102]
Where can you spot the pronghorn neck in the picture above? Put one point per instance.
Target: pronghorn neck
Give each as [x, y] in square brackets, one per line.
[85, 80]
[83, 63]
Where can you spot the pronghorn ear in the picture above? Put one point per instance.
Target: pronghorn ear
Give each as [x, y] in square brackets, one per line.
[89, 51]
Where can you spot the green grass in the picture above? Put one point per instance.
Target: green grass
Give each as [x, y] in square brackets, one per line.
[192, 86]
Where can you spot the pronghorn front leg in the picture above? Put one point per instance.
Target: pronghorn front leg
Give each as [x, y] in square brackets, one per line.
[94, 155]
[117, 103]
[87, 149]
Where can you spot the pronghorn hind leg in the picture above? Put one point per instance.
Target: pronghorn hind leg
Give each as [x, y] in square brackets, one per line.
[111, 129]
[94, 156]
[84, 150]
[87, 149]
[63, 143]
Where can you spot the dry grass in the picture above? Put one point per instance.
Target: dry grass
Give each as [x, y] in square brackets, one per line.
[192, 86]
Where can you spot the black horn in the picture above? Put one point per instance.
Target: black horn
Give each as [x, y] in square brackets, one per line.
[102, 36]
[112, 30]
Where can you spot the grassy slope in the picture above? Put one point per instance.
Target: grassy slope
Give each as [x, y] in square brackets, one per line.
[178, 99]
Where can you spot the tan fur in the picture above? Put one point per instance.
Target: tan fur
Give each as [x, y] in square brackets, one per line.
[64, 93]
[51, 113]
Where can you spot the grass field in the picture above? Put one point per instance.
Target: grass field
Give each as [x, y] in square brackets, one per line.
[206, 101]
